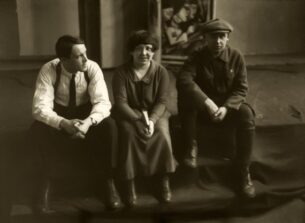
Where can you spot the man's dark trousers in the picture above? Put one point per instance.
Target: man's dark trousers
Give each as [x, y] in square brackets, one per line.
[100, 142]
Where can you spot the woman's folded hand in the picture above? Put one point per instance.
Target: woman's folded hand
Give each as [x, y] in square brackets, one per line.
[142, 129]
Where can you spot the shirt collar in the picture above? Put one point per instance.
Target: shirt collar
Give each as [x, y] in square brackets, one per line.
[65, 72]
[149, 74]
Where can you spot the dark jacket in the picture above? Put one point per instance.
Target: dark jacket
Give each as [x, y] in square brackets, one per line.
[223, 79]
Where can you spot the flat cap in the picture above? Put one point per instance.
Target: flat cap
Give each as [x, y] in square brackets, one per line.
[216, 25]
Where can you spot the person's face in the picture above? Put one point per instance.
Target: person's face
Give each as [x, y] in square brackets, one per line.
[142, 54]
[217, 42]
[78, 59]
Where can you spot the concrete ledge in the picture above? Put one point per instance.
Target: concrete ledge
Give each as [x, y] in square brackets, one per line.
[35, 62]
[281, 59]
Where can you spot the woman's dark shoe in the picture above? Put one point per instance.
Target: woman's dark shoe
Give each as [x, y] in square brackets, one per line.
[166, 194]
[131, 199]
[112, 197]
[190, 159]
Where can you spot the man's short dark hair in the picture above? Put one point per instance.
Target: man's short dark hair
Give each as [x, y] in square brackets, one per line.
[64, 45]
[142, 37]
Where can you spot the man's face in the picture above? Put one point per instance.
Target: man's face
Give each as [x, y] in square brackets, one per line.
[216, 41]
[78, 59]
[142, 54]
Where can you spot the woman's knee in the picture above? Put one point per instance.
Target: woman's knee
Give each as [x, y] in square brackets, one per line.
[127, 129]
[162, 129]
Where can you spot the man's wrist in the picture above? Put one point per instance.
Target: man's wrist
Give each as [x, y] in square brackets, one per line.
[61, 123]
[93, 121]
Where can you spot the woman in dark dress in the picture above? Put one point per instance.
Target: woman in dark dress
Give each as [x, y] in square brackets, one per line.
[140, 90]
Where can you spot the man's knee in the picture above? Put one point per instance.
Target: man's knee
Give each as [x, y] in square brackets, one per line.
[246, 116]
[108, 123]
[106, 126]
[104, 132]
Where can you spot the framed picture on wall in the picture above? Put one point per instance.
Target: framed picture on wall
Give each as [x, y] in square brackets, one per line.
[178, 22]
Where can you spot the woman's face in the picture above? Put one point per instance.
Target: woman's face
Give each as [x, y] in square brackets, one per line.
[142, 54]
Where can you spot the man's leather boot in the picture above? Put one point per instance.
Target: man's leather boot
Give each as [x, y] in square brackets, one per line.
[247, 187]
[112, 197]
[190, 159]
[245, 138]
[41, 200]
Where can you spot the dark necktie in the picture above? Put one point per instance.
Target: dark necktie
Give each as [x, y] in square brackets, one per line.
[72, 92]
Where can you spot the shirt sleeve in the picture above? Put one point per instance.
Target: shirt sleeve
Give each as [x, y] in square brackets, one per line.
[239, 87]
[43, 100]
[98, 93]
[162, 96]
[121, 99]
[186, 82]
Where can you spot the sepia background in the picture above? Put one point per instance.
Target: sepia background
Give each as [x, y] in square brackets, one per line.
[271, 35]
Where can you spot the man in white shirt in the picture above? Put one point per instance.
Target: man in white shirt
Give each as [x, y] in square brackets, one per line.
[71, 107]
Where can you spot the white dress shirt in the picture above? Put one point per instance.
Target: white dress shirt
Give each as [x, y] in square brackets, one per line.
[44, 97]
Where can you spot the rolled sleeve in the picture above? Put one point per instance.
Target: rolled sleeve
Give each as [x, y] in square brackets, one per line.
[98, 92]
[43, 100]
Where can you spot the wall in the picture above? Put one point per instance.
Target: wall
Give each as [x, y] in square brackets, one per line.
[33, 30]
[89, 22]
[41, 22]
[261, 26]
[9, 38]
[265, 26]
[118, 19]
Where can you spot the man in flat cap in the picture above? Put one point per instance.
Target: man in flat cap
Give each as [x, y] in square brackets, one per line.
[212, 88]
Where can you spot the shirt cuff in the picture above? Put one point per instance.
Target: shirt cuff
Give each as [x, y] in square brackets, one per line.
[93, 121]
[96, 118]
[56, 123]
